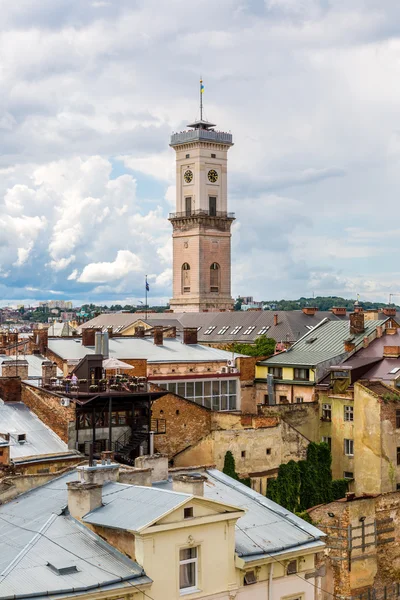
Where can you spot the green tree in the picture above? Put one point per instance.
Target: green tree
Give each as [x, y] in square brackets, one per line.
[263, 346]
[230, 469]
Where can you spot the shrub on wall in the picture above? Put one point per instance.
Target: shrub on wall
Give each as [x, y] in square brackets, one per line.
[306, 483]
[339, 488]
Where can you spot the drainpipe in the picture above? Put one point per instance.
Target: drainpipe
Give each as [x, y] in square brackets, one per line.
[151, 449]
[271, 570]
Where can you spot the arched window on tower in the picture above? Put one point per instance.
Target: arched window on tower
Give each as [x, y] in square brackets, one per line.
[185, 278]
[214, 277]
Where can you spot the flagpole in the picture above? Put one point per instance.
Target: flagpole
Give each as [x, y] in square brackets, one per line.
[145, 306]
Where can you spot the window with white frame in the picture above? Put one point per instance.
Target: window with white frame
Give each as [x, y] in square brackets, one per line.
[348, 413]
[299, 399]
[326, 412]
[188, 569]
[249, 330]
[327, 440]
[216, 394]
[349, 447]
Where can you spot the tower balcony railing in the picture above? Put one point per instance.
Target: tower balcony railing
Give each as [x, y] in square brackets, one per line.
[202, 213]
[198, 135]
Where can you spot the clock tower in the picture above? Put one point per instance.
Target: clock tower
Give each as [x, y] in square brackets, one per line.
[201, 224]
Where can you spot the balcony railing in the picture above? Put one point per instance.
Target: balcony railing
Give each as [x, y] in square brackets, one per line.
[198, 135]
[202, 213]
[96, 386]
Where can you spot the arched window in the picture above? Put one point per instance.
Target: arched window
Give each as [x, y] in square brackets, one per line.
[214, 277]
[185, 278]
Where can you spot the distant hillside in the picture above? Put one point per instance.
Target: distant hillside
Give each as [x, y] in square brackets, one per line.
[321, 302]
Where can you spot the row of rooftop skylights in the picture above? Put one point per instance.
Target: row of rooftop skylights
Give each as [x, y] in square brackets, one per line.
[235, 330]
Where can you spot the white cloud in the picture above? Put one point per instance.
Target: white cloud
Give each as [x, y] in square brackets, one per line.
[125, 264]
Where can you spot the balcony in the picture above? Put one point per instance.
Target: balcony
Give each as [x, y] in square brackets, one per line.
[201, 135]
[202, 213]
[83, 387]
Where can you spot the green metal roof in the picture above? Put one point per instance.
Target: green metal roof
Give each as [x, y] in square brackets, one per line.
[324, 342]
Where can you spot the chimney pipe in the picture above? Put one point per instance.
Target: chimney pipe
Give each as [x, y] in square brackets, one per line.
[105, 346]
[83, 498]
[98, 342]
[189, 483]
[275, 319]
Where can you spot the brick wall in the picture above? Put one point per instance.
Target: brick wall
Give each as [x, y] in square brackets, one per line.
[47, 407]
[10, 389]
[186, 423]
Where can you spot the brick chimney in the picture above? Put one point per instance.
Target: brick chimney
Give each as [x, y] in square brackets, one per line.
[13, 338]
[379, 331]
[309, 310]
[189, 483]
[171, 332]
[389, 311]
[356, 323]
[49, 370]
[190, 335]
[83, 498]
[139, 331]
[391, 351]
[275, 319]
[366, 342]
[339, 311]
[358, 309]
[5, 448]
[88, 336]
[42, 340]
[158, 335]
[110, 332]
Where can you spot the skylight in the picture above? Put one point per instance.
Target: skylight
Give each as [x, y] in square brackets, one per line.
[249, 330]
[223, 330]
[395, 370]
[263, 330]
[210, 330]
[236, 329]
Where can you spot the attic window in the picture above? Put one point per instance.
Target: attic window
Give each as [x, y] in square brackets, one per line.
[292, 567]
[62, 570]
[188, 512]
[21, 438]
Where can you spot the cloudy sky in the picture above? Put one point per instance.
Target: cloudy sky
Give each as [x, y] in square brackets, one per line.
[90, 91]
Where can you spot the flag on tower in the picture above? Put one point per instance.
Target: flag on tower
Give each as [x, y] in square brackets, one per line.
[201, 87]
[147, 287]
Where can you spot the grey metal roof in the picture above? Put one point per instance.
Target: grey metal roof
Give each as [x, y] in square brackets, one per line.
[328, 343]
[266, 528]
[34, 364]
[16, 418]
[57, 329]
[34, 532]
[133, 507]
[126, 347]
[291, 326]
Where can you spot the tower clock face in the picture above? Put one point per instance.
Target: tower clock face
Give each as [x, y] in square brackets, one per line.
[188, 176]
[212, 176]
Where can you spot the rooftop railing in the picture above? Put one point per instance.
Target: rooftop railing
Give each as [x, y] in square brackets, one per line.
[202, 213]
